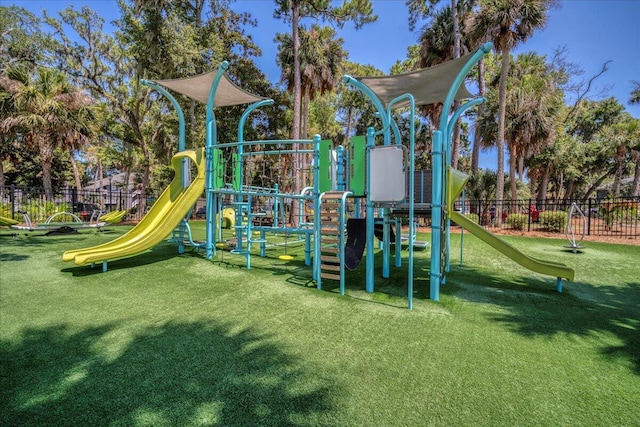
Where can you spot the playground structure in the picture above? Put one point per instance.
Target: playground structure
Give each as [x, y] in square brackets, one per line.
[357, 193]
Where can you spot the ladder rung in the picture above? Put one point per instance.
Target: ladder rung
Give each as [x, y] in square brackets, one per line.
[330, 276]
[330, 249]
[328, 258]
[333, 195]
[329, 231]
[329, 267]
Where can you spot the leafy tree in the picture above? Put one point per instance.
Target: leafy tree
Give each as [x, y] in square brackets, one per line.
[320, 62]
[360, 12]
[47, 113]
[355, 113]
[22, 42]
[508, 23]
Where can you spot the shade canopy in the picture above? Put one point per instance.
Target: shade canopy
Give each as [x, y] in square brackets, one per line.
[428, 86]
[198, 87]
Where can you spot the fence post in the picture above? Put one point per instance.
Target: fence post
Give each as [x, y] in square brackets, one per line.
[529, 214]
[12, 197]
[589, 217]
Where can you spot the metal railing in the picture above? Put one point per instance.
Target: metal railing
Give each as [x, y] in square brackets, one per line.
[602, 217]
[84, 203]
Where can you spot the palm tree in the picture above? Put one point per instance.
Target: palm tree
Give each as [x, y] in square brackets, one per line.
[48, 113]
[321, 66]
[442, 40]
[320, 62]
[635, 93]
[533, 103]
[635, 151]
[508, 23]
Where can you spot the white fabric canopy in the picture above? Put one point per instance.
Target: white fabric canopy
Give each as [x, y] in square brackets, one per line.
[198, 87]
[428, 86]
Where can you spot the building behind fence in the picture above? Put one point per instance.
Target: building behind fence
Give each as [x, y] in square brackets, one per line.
[602, 217]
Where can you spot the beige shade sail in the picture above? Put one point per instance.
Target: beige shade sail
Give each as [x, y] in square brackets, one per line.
[428, 86]
[198, 87]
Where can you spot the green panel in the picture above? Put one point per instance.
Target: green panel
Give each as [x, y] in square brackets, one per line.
[237, 171]
[218, 172]
[357, 165]
[325, 166]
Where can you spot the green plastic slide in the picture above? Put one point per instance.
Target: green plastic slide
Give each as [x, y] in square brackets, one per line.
[165, 215]
[457, 181]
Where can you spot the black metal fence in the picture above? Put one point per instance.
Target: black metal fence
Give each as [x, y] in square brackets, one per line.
[83, 203]
[593, 217]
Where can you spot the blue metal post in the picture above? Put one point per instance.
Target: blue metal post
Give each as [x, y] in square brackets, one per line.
[211, 141]
[436, 216]
[369, 266]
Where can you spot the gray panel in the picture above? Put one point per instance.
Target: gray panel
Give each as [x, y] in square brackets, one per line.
[387, 174]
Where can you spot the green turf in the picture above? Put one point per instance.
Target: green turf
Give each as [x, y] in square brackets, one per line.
[176, 340]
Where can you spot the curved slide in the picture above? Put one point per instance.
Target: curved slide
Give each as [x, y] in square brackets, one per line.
[163, 217]
[457, 180]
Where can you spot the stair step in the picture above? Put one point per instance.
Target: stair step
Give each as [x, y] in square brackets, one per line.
[329, 267]
[330, 249]
[330, 231]
[328, 258]
[333, 195]
[330, 276]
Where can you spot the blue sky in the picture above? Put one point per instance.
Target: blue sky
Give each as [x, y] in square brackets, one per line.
[592, 31]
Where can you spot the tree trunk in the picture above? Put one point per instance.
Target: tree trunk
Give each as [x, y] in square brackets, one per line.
[635, 187]
[568, 195]
[2, 181]
[521, 168]
[512, 173]
[297, 98]
[347, 132]
[477, 140]
[455, 140]
[542, 188]
[76, 172]
[617, 180]
[597, 183]
[502, 94]
[455, 143]
[46, 156]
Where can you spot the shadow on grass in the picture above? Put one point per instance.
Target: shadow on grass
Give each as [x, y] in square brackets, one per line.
[12, 257]
[158, 253]
[536, 309]
[172, 374]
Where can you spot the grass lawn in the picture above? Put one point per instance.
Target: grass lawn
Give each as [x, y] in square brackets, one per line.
[177, 340]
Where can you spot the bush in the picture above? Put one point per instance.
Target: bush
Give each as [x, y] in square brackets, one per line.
[473, 217]
[517, 221]
[5, 210]
[553, 220]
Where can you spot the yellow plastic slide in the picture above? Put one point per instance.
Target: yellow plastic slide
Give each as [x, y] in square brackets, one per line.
[165, 215]
[457, 181]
